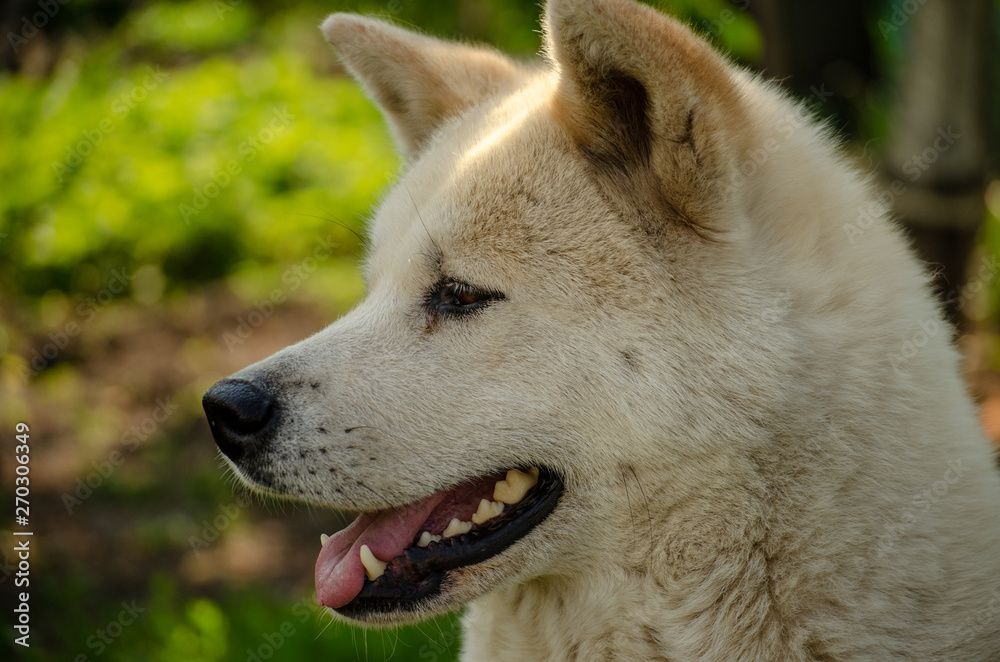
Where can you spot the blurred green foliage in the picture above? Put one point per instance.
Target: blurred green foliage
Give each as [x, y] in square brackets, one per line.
[195, 170]
[250, 625]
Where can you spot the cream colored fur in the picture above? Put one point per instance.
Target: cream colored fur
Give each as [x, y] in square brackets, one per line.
[697, 333]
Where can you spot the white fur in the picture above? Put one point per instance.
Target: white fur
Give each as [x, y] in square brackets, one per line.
[753, 470]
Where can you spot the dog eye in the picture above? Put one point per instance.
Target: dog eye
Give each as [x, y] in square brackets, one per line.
[456, 298]
[468, 297]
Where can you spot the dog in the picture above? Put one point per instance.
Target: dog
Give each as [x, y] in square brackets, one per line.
[643, 371]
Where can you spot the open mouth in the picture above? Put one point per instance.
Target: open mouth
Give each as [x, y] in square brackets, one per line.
[391, 560]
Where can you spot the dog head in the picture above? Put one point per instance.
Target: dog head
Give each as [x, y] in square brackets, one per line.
[555, 288]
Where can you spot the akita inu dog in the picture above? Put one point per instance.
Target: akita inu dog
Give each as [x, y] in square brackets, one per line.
[627, 380]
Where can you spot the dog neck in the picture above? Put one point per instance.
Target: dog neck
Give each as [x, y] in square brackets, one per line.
[672, 605]
[560, 619]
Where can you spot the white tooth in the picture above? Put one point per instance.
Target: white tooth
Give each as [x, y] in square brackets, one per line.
[323, 538]
[427, 538]
[374, 568]
[487, 511]
[456, 527]
[513, 489]
[502, 492]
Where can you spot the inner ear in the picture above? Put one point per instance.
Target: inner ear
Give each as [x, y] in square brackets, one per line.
[619, 136]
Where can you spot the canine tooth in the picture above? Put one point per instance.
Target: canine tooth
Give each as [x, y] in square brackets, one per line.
[427, 538]
[374, 568]
[456, 527]
[487, 511]
[513, 489]
[323, 538]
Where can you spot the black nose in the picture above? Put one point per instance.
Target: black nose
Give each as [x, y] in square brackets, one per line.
[238, 412]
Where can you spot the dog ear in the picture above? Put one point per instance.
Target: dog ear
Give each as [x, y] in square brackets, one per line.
[648, 102]
[419, 81]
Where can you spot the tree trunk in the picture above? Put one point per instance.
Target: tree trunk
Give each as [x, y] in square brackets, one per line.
[940, 146]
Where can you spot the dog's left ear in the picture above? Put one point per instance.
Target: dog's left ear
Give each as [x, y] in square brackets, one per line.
[653, 107]
[420, 82]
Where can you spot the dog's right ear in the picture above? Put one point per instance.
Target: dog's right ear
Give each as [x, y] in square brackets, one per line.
[420, 82]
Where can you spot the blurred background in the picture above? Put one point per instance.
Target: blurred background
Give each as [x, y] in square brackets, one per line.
[181, 184]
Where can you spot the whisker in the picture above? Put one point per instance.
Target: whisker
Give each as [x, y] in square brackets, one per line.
[649, 517]
[335, 221]
[438, 253]
[628, 499]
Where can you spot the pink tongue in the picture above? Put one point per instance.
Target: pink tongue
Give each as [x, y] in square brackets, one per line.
[340, 575]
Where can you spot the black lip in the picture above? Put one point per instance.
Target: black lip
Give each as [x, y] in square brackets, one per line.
[416, 575]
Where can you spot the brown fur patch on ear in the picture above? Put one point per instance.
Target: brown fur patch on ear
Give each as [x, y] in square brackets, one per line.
[609, 121]
[617, 139]
[419, 82]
